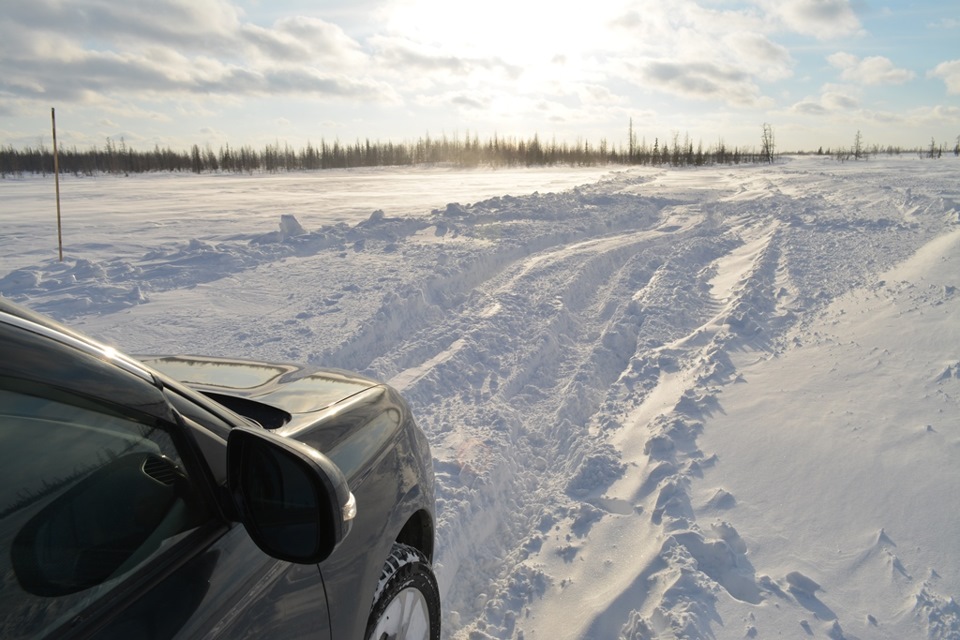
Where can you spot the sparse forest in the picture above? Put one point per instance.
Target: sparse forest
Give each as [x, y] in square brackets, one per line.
[497, 151]
[466, 152]
[862, 151]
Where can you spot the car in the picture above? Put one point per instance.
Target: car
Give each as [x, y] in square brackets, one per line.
[124, 482]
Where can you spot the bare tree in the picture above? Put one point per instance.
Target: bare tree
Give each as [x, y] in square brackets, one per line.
[858, 151]
[768, 145]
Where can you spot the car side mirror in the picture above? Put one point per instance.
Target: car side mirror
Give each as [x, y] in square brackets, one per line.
[293, 501]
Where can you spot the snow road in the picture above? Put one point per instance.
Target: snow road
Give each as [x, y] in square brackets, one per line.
[710, 403]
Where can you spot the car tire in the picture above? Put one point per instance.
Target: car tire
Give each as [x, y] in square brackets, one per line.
[407, 600]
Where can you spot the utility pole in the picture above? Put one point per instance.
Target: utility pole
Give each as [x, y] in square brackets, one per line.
[56, 178]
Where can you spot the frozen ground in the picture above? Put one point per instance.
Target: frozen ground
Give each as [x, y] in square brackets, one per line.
[703, 403]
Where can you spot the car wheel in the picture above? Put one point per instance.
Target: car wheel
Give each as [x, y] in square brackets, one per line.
[407, 601]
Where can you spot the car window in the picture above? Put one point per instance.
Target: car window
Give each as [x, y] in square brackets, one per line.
[88, 496]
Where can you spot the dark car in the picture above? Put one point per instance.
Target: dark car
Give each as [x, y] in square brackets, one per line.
[123, 483]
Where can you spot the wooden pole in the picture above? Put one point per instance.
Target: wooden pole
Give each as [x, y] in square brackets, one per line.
[56, 178]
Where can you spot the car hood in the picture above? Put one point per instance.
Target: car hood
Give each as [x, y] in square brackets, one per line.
[293, 388]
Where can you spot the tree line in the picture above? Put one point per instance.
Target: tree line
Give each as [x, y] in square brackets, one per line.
[861, 151]
[468, 151]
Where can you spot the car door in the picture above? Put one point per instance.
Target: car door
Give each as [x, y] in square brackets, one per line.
[111, 522]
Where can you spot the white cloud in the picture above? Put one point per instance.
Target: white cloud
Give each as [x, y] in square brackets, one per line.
[190, 23]
[408, 56]
[699, 80]
[693, 50]
[936, 115]
[760, 55]
[873, 70]
[302, 40]
[839, 100]
[946, 23]
[91, 51]
[458, 100]
[684, 28]
[595, 94]
[949, 72]
[822, 19]
[809, 107]
[833, 98]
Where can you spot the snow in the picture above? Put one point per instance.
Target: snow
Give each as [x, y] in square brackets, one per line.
[719, 402]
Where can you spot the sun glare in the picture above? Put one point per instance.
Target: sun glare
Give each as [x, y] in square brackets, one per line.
[522, 33]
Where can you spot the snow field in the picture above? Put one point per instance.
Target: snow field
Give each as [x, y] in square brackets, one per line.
[707, 403]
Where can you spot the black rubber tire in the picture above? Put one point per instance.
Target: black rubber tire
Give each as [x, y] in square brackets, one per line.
[405, 569]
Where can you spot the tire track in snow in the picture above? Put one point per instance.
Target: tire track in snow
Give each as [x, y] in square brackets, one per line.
[662, 375]
[487, 296]
[678, 569]
[527, 362]
[670, 587]
[421, 306]
[546, 405]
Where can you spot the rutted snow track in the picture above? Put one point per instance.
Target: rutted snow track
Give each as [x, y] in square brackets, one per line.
[591, 325]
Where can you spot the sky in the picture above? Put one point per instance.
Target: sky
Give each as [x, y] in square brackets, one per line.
[213, 72]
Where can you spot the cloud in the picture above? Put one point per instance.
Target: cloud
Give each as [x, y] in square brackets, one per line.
[595, 94]
[809, 107]
[405, 55]
[697, 51]
[82, 76]
[949, 72]
[945, 23]
[296, 81]
[873, 70]
[92, 51]
[936, 115]
[93, 76]
[759, 55]
[685, 28]
[833, 98]
[469, 102]
[191, 23]
[460, 100]
[699, 80]
[839, 100]
[303, 40]
[822, 19]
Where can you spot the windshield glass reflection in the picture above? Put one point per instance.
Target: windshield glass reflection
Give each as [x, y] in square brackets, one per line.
[227, 374]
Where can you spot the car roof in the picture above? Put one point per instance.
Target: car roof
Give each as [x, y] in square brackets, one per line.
[29, 320]
[40, 351]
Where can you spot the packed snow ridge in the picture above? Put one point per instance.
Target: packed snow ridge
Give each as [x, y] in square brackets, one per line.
[707, 403]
